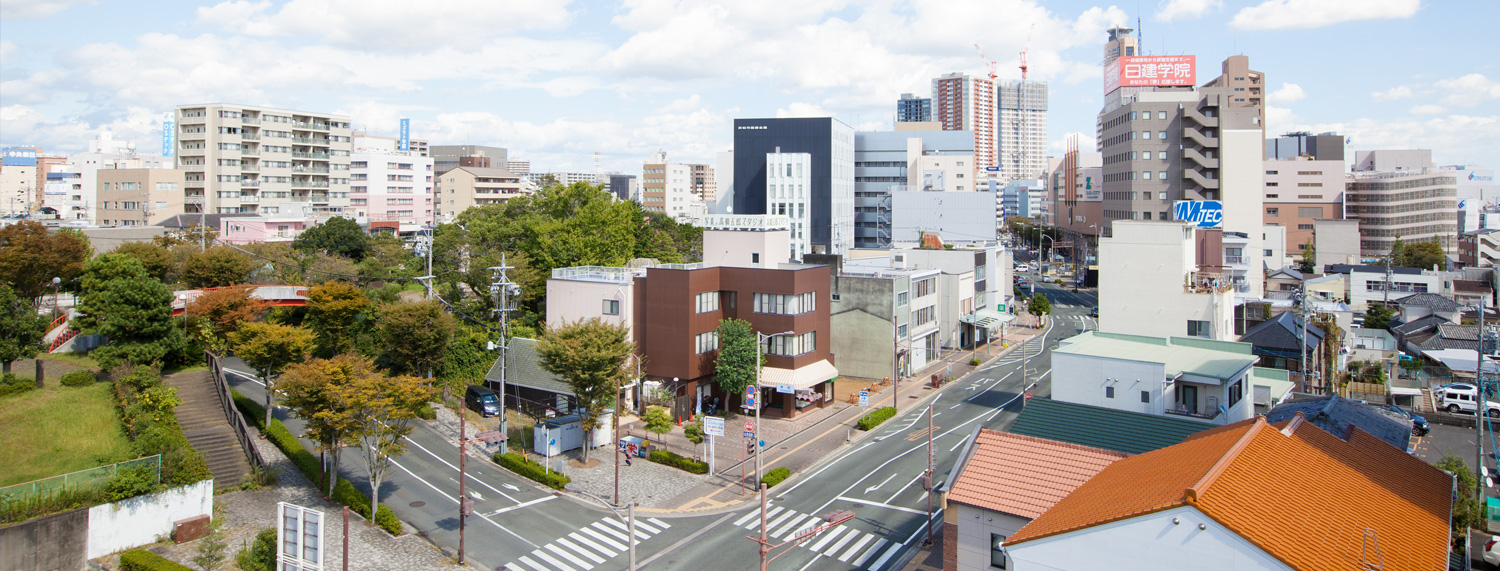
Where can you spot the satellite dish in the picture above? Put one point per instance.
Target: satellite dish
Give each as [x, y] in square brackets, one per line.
[130, 146]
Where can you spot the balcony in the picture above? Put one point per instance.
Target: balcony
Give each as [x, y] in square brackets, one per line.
[250, 136]
[1205, 282]
[1200, 180]
[249, 120]
[1197, 415]
[309, 184]
[310, 169]
[250, 182]
[310, 126]
[249, 152]
[299, 198]
[320, 197]
[310, 141]
[314, 156]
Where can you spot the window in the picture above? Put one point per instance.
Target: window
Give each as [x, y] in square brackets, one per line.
[901, 299]
[708, 301]
[1304, 227]
[782, 304]
[1146, 397]
[1109, 392]
[997, 551]
[1146, 175]
[925, 315]
[1197, 328]
[901, 331]
[1162, 175]
[1236, 392]
[1161, 114]
[1273, 212]
[708, 342]
[791, 345]
[926, 287]
[755, 257]
[1145, 134]
[611, 307]
[1161, 135]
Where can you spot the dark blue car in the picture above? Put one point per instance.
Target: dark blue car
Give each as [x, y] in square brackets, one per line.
[1418, 424]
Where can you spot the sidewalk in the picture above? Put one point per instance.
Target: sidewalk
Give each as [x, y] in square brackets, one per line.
[803, 442]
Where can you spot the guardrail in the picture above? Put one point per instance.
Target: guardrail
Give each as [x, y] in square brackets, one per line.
[236, 420]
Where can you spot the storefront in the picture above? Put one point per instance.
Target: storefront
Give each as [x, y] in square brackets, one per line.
[784, 393]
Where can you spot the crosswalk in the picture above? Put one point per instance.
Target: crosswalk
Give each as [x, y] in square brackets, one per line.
[589, 547]
[858, 549]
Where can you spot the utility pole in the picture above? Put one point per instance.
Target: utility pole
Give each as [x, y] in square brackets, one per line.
[764, 546]
[630, 516]
[463, 497]
[930, 484]
[1481, 412]
[1302, 300]
[506, 295]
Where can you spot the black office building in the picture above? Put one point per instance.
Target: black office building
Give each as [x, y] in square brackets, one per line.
[830, 144]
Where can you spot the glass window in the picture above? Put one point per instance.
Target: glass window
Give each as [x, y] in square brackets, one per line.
[708, 301]
[997, 551]
[1146, 396]
[611, 307]
[1145, 134]
[708, 341]
[1161, 114]
[1160, 135]
[1109, 392]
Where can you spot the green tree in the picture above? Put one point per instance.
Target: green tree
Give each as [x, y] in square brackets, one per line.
[1467, 512]
[1378, 316]
[270, 349]
[21, 329]
[1039, 305]
[132, 310]
[224, 310]
[193, 235]
[338, 236]
[156, 259]
[1423, 255]
[735, 367]
[384, 409]
[1308, 263]
[414, 337]
[210, 553]
[316, 391]
[658, 420]
[30, 257]
[217, 267]
[467, 358]
[334, 310]
[591, 355]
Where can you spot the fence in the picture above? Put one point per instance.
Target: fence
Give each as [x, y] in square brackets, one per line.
[80, 479]
[236, 420]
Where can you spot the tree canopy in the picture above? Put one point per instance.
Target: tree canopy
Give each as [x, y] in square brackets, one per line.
[1423, 255]
[735, 366]
[219, 266]
[225, 310]
[333, 311]
[129, 308]
[21, 328]
[270, 349]
[1039, 305]
[156, 259]
[590, 355]
[338, 236]
[414, 337]
[30, 257]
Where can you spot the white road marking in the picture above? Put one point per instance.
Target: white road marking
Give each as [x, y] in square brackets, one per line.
[877, 486]
[856, 547]
[832, 533]
[521, 505]
[589, 531]
[879, 543]
[445, 493]
[903, 488]
[880, 505]
[557, 547]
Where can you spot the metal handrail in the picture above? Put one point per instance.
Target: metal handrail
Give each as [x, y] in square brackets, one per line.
[236, 420]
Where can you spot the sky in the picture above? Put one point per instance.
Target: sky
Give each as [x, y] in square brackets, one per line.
[555, 81]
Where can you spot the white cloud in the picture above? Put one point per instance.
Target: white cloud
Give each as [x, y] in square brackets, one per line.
[1469, 90]
[1168, 10]
[800, 109]
[1277, 116]
[1427, 109]
[71, 134]
[1288, 93]
[1305, 14]
[19, 9]
[387, 25]
[1454, 138]
[1394, 93]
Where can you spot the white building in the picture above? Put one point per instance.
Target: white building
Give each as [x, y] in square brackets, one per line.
[1150, 283]
[1022, 128]
[788, 193]
[390, 185]
[105, 152]
[1189, 377]
[244, 159]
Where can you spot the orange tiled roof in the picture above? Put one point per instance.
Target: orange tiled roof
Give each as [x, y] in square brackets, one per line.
[1299, 494]
[1024, 475]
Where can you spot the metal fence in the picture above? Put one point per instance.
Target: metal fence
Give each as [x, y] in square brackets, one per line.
[81, 479]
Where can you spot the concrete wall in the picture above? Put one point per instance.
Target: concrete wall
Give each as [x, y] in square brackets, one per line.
[954, 216]
[1243, 191]
[574, 300]
[1148, 542]
[1142, 269]
[862, 344]
[974, 528]
[1082, 379]
[52, 543]
[1337, 243]
[734, 248]
[140, 520]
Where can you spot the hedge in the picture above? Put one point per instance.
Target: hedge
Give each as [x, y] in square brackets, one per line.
[11, 384]
[80, 378]
[142, 560]
[669, 458]
[344, 492]
[528, 468]
[776, 476]
[872, 420]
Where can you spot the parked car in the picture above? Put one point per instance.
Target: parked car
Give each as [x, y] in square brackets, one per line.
[1456, 400]
[1094, 312]
[1492, 550]
[1419, 425]
[482, 400]
[1438, 390]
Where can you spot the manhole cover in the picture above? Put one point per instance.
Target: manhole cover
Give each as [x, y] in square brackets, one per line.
[418, 504]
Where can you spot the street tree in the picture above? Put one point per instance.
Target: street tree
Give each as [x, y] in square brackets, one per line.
[21, 329]
[129, 308]
[317, 392]
[334, 310]
[1378, 316]
[219, 266]
[735, 367]
[590, 355]
[1467, 511]
[224, 310]
[385, 408]
[338, 236]
[1309, 256]
[414, 337]
[156, 259]
[270, 349]
[193, 235]
[30, 257]
[658, 420]
[1039, 305]
[1423, 255]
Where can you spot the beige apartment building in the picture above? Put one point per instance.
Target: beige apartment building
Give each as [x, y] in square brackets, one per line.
[703, 185]
[139, 197]
[464, 187]
[241, 159]
[1299, 192]
[1400, 194]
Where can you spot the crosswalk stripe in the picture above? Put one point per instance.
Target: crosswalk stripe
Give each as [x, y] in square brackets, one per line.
[772, 524]
[648, 529]
[791, 525]
[569, 556]
[856, 547]
[601, 537]
[832, 533]
[532, 564]
[879, 563]
[746, 518]
[606, 529]
[755, 523]
[870, 552]
[578, 537]
[574, 546]
[553, 560]
[833, 550]
[658, 523]
[638, 532]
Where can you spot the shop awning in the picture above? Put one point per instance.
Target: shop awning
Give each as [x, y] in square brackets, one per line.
[800, 378]
[987, 318]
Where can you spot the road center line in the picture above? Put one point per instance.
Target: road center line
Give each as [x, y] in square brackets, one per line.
[521, 505]
[880, 505]
[453, 499]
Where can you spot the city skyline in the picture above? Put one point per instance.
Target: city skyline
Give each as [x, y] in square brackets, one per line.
[554, 83]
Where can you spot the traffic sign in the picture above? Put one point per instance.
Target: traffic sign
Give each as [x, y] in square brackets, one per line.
[750, 434]
[864, 398]
[749, 425]
[713, 426]
[762, 444]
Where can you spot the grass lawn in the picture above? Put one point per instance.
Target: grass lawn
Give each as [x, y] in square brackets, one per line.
[56, 430]
[81, 360]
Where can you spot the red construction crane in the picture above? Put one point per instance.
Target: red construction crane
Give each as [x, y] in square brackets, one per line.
[989, 65]
[1027, 49]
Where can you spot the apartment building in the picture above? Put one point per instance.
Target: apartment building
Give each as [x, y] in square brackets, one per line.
[18, 180]
[139, 197]
[961, 102]
[667, 187]
[705, 187]
[418, 147]
[1299, 192]
[1164, 279]
[449, 157]
[104, 152]
[1479, 248]
[464, 187]
[522, 168]
[819, 198]
[262, 160]
[567, 178]
[389, 185]
[1022, 129]
[890, 162]
[913, 109]
[1400, 194]
[1022, 198]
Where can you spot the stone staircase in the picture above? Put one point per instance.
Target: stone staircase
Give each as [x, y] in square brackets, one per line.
[207, 429]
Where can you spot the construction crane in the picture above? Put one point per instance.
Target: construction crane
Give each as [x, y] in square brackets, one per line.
[989, 65]
[1023, 52]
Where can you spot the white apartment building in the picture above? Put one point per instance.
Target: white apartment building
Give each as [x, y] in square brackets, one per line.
[1022, 129]
[390, 185]
[105, 152]
[966, 103]
[788, 192]
[1150, 284]
[242, 159]
[1400, 193]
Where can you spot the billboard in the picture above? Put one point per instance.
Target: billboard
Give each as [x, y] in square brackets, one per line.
[18, 157]
[405, 142]
[1150, 71]
[1204, 213]
[168, 134]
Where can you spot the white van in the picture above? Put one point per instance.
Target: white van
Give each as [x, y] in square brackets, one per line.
[1455, 400]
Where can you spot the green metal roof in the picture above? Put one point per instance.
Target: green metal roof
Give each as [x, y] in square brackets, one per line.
[1222, 360]
[525, 369]
[1107, 428]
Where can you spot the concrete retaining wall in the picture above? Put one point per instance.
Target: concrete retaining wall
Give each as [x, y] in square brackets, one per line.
[46, 543]
[139, 521]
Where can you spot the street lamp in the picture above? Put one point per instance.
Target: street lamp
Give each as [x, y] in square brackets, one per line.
[1039, 250]
[182, 297]
[759, 339]
[56, 282]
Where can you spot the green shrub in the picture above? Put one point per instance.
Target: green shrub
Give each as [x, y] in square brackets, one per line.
[387, 520]
[10, 384]
[872, 420]
[525, 467]
[775, 476]
[79, 378]
[131, 482]
[142, 560]
[260, 555]
[974, 362]
[669, 458]
[426, 412]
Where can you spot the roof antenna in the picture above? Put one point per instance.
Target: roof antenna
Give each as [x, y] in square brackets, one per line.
[1139, 33]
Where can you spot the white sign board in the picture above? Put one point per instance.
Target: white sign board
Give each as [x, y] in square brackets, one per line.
[785, 389]
[864, 398]
[299, 538]
[713, 426]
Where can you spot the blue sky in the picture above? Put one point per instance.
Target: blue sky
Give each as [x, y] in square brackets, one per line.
[557, 81]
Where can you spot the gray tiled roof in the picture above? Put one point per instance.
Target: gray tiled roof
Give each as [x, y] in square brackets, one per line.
[1099, 427]
[1429, 300]
[1336, 414]
[1422, 324]
[525, 369]
[1282, 332]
